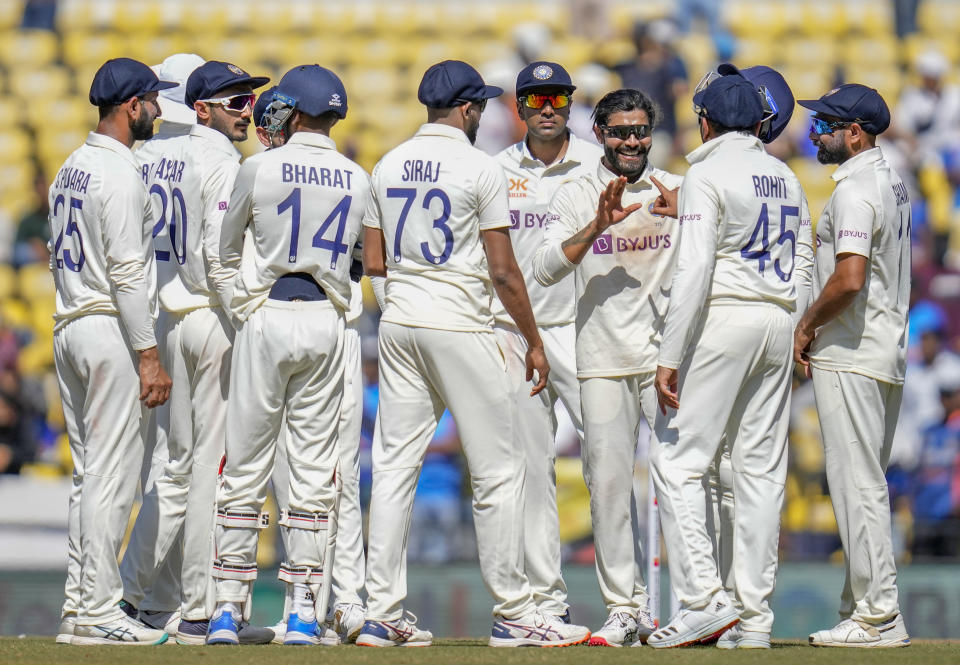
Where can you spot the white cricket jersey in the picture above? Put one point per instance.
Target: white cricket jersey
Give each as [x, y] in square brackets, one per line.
[532, 185]
[622, 283]
[100, 250]
[432, 196]
[304, 203]
[868, 214]
[744, 237]
[189, 175]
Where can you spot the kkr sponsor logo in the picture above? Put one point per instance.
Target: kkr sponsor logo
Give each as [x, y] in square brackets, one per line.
[607, 244]
[518, 187]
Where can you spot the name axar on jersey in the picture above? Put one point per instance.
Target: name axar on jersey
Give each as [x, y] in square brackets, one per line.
[303, 204]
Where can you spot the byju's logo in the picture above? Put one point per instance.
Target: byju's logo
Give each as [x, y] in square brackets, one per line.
[514, 219]
[603, 244]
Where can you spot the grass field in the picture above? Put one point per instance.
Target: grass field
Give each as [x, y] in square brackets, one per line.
[469, 652]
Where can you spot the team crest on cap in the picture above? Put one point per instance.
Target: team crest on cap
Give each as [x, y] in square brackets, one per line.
[542, 73]
[236, 70]
[335, 100]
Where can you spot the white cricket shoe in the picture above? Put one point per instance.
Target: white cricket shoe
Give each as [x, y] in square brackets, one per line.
[645, 625]
[537, 630]
[697, 626]
[852, 633]
[123, 631]
[737, 638]
[279, 630]
[166, 621]
[65, 631]
[348, 620]
[400, 633]
[620, 628]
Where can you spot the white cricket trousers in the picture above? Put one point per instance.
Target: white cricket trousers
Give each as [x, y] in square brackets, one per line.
[858, 416]
[97, 372]
[287, 355]
[735, 380]
[612, 409]
[423, 370]
[181, 505]
[536, 430]
[348, 558]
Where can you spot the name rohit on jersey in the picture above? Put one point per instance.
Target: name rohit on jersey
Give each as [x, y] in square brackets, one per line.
[419, 170]
[301, 174]
[170, 170]
[73, 179]
[770, 187]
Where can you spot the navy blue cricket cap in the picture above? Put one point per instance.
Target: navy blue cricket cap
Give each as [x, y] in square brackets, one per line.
[263, 101]
[731, 101]
[313, 90]
[213, 76]
[779, 97]
[120, 79]
[853, 102]
[453, 82]
[542, 74]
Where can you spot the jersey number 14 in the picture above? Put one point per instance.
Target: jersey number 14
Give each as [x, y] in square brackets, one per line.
[339, 213]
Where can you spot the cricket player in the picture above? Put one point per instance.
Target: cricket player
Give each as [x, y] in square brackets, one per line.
[303, 203]
[270, 116]
[724, 366]
[190, 178]
[601, 229]
[105, 348]
[438, 228]
[853, 339]
[548, 156]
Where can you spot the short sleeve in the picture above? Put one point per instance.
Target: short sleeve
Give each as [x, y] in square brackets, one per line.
[494, 207]
[372, 215]
[853, 225]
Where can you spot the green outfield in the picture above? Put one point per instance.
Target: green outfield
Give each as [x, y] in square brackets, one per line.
[468, 652]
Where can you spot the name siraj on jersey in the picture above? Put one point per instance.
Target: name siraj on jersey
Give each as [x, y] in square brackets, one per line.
[310, 175]
[72, 179]
[421, 170]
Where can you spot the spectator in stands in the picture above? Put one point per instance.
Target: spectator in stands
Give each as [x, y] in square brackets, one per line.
[33, 231]
[930, 368]
[39, 14]
[905, 17]
[593, 82]
[927, 125]
[657, 70]
[16, 444]
[710, 12]
[936, 486]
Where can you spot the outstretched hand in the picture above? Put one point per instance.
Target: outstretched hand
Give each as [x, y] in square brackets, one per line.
[666, 203]
[610, 208]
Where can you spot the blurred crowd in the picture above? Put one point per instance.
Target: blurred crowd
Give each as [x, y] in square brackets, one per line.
[923, 143]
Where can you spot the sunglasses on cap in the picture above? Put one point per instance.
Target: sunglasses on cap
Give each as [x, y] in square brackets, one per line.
[623, 132]
[237, 102]
[481, 104]
[820, 126]
[535, 101]
[767, 101]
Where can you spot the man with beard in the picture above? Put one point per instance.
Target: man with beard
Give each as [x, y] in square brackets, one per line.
[601, 229]
[189, 179]
[438, 229]
[105, 348]
[853, 340]
[548, 156]
[724, 366]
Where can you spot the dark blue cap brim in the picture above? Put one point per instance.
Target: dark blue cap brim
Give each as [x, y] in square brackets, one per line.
[491, 91]
[156, 87]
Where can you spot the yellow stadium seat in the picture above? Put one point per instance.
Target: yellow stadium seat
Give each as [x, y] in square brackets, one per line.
[35, 283]
[809, 52]
[872, 19]
[49, 82]
[371, 84]
[41, 317]
[8, 283]
[13, 311]
[756, 51]
[614, 51]
[916, 45]
[36, 357]
[372, 53]
[143, 18]
[824, 19]
[27, 49]
[56, 144]
[85, 49]
[15, 146]
[206, 18]
[764, 19]
[240, 50]
[886, 80]
[153, 49]
[939, 18]
[75, 112]
[807, 83]
[870, 51]
[317, 48]
[84, 16]
[11, 12]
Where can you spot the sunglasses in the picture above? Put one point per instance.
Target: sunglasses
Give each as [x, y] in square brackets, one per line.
[538, 101]
[820, 126]
[623, 132]
[238, 102]
[481, 104]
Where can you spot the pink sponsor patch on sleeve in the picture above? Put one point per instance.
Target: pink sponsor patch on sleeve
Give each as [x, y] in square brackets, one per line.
[222, 205]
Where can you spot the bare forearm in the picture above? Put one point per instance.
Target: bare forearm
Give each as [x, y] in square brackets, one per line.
[836, 296]
[576, 246]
